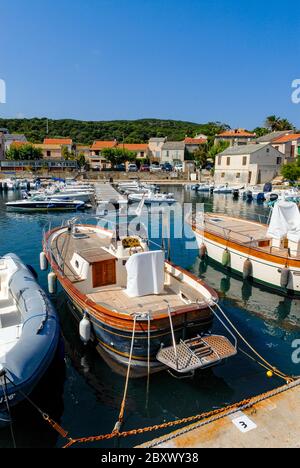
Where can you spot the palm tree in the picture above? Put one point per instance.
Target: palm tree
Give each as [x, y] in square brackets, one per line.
[276, 124]
[284, 124]
[272, 122]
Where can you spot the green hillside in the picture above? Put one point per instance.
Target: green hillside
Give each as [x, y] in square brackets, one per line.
[132, 131]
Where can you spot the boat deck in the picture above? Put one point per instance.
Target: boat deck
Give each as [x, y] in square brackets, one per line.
[116, 299]
[239, 230]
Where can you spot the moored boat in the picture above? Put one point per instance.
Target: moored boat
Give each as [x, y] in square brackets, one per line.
[117, 286]
[42, 203]
[29, 333]
[267, 254]
[152, 198]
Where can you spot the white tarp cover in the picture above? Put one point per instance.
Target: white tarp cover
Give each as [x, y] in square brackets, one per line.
[145, 274]
[294, 236]
[285, 219]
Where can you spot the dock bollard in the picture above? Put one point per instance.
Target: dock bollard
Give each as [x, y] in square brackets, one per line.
[52, 283]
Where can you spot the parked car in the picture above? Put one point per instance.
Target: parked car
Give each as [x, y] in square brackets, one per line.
[167, 167]
[145, 168]
[132, 168]
[120, 167]
[179, 167]
[155, 168]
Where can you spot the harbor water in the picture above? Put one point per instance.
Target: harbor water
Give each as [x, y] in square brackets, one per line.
[84, 394]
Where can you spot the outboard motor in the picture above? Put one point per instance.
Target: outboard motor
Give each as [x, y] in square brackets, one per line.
[268, 187]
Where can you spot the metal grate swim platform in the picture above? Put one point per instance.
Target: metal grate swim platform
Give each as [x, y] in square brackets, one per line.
[197, 353]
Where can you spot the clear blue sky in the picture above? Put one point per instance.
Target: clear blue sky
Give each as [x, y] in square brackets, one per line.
[195, 60]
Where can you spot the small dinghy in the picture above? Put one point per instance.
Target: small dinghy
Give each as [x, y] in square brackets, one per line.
[29, 333]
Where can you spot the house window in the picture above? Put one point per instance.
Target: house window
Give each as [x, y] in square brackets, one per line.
[223, 175]
[228, 161]
[238, 175]
[220, 160]
[244, 160]
[268, 150]
[48, 154]
[279, 160]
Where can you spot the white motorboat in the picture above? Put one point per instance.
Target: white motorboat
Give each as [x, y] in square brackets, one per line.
[203, 188]
[223, 189]
[152, 198]
[8, 184]
[43, 203]
[269, 255]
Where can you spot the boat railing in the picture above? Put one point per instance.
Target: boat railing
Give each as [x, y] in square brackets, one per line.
[230, 234]
[225, 232]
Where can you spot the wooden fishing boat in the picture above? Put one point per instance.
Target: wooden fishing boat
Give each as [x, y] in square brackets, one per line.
[267, 254]
[117, 286]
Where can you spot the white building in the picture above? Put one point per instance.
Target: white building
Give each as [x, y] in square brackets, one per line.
[173, 152]
[155, 146]
[248, 165]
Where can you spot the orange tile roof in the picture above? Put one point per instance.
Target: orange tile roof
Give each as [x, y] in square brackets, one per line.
[286, 138]
[195, 141]
[133, 146]
[58, 141]
[236, 133]
[99, 145]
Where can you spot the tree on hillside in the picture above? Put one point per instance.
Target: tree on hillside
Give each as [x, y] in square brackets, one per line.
[131, 131]
[275, 124]
[26, 152]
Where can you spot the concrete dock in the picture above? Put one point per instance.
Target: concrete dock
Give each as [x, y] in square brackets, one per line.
[268, 421]
[106, 193]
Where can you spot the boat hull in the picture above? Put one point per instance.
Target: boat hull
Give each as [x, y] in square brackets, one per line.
[44, 207]
[113, 342]
[266, 268]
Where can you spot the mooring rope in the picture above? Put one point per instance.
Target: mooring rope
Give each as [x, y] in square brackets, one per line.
[269, 366]
[148, 359]
[4, 389]
[123, 404]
